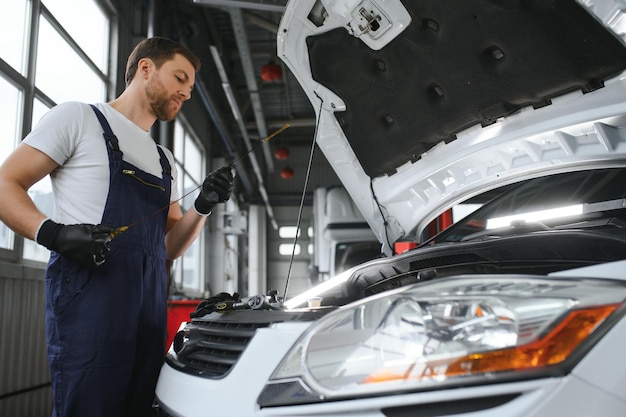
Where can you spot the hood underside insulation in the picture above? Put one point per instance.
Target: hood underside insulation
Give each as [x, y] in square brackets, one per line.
[459, 64]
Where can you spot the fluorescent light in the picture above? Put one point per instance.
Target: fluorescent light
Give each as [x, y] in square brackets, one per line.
[535, 216]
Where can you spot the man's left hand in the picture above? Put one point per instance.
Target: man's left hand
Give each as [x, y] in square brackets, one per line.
[216, 188]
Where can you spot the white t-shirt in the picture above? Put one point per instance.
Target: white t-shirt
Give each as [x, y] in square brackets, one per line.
[71, 135]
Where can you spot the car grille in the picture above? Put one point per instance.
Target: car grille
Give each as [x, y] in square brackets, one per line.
[212, 348]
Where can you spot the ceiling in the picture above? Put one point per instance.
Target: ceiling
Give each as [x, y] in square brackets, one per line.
[235, 40]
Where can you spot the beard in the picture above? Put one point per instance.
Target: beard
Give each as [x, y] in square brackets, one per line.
[160, 102]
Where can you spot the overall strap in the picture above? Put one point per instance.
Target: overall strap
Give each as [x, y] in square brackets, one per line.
[108, 134]
[165, 163]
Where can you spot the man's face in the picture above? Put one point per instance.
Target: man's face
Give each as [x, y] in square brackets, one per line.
[170, 86]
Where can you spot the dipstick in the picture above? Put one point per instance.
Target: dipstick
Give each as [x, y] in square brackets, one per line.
[266, 139]
[113, 233]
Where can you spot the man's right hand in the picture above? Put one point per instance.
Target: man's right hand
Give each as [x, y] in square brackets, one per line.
[84, 243]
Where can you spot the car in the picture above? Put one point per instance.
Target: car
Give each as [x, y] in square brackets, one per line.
[516, 109]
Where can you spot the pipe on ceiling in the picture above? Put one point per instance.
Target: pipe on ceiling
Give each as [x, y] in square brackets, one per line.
[243, 45]
[240, 4]
[239, 119]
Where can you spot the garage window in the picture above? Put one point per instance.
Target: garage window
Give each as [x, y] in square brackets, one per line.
[71, 63]
[190, 163]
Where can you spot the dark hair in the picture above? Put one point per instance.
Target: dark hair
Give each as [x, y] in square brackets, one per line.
[159, 50]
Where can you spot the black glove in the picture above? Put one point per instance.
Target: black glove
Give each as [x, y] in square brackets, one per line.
[85, 243]
[216, 188]
[208, 305]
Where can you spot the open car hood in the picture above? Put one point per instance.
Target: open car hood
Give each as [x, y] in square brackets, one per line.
[422, 104]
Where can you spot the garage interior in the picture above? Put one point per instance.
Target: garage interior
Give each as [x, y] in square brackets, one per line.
[243, 94]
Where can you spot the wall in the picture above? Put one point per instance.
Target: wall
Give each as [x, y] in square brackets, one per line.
[24, 377]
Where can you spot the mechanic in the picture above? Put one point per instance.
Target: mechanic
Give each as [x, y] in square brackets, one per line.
[116, 222]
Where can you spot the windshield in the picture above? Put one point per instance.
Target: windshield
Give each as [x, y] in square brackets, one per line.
[349, 254]
[542, 202]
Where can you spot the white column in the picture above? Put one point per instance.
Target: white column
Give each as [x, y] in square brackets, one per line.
[257, 250]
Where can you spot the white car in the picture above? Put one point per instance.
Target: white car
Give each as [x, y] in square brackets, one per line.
[515, 310]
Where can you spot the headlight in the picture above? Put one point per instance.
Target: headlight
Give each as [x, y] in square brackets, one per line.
[454, 331]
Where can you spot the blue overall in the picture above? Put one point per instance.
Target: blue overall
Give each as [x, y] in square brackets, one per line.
[106, 325]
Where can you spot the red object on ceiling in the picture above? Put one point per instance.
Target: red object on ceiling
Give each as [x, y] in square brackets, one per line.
[281, 154]
[286, 173]
[271, 72]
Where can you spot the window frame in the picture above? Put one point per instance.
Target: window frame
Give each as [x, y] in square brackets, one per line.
[181, 124]
[25, 84]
